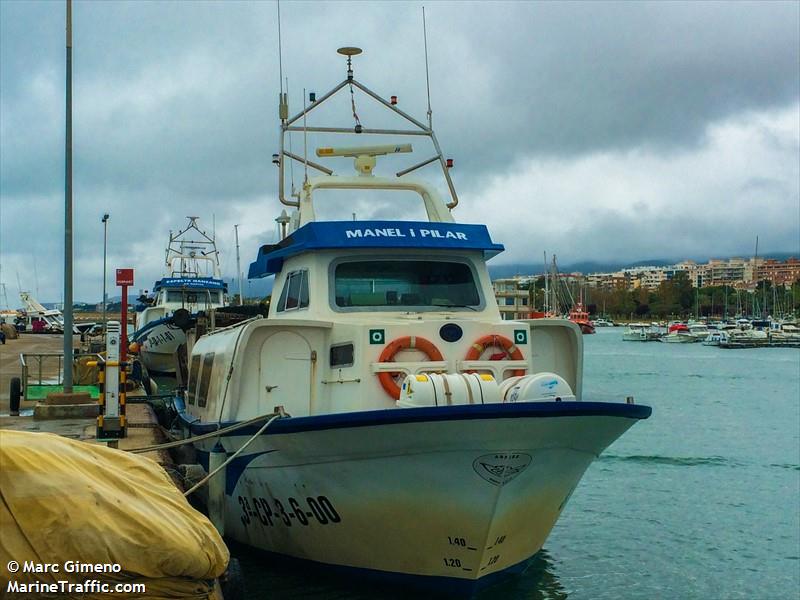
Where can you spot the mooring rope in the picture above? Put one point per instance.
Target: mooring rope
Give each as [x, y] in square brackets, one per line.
[208, 477]
[207, 436]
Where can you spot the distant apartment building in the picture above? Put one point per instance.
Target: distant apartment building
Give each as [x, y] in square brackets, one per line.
[512, 297]
[779, 272]
[618, 280]
[649, 277]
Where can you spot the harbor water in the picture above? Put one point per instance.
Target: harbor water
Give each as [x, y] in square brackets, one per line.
[702, 500]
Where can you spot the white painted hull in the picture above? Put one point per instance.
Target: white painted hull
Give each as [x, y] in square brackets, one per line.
[459, 499]
[679, 339]
[635, 337]
[649, 336]
[159, 348]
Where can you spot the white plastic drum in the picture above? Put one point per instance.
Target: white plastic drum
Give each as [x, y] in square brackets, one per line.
[541, 387]
[445, 389]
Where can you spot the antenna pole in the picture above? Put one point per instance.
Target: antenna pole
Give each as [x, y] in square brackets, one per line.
[68, 216]
[305, 140]
[238, 264]
[280, 56]
[427, 76]
[291, 162]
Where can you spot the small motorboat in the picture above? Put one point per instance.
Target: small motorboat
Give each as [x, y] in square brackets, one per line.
[678, 333]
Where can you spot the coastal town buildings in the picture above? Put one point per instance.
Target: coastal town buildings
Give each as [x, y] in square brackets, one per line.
[779, 272]
[741, 273]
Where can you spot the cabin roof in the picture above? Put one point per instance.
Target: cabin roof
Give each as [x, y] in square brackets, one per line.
[352, 235]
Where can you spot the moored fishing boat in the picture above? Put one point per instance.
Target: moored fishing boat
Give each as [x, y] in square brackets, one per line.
[192, 283]
[428, 439]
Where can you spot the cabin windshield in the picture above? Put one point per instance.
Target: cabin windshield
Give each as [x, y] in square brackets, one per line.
[208, 297]
[406, 283]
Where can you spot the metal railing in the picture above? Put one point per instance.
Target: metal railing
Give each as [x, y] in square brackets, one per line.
[42, 363]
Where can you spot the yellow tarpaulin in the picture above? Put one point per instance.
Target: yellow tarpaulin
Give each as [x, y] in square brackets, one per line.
[65, 500]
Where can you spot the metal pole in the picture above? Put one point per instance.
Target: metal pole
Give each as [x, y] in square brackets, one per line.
[105, 245]
[68, 215]
[123, 344]
[238, 265]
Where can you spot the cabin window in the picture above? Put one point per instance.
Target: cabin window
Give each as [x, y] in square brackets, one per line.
[408, 283]
[194, 297]
[205, 380]
[342, 355]
[193, 373]
[295, 291]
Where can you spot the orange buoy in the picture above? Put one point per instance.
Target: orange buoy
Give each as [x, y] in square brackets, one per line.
[493, 340]
[404, 343]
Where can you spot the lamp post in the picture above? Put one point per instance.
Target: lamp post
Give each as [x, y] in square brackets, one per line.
[68, 351]
[104, 220]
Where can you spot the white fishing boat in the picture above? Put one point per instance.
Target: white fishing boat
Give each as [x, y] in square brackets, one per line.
[192, 283]
[428, 439]
[640, 332]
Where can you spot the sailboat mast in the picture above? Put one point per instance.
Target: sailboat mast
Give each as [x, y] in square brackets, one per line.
[238, 264]
[546, 287]
[755, 277]
[725, 310]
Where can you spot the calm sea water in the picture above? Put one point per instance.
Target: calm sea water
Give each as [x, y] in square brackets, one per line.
[702, 500]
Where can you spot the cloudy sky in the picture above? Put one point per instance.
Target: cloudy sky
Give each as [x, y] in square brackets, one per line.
[598, 131]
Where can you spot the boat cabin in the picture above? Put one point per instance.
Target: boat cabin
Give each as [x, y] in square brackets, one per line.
[358, 305]
[193, 294]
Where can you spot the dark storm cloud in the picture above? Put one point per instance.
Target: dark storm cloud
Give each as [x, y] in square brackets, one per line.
[175, 102]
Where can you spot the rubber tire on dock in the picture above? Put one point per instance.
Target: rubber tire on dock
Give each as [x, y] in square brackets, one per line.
[15, 396]
[232, 582]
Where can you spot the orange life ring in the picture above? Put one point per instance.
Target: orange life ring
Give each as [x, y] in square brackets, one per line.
[497, 341]
[404, 343]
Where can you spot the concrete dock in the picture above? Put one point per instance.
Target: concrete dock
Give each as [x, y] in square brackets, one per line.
[143, 428]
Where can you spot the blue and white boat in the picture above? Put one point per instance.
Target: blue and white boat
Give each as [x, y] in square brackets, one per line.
[428, 439]
[192, 282]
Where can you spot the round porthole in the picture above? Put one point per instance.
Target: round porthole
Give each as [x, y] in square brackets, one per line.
[451, 332]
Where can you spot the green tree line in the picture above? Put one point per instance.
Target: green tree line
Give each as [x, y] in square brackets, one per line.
[677, 297]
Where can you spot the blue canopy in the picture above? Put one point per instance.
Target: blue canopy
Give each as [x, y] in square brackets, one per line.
[351, 235]
[190, 283]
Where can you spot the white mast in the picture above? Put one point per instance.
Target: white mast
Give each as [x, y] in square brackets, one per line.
[546, 287]
[238, 264]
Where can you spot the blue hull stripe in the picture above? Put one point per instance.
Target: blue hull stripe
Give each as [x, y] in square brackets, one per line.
[394, 416]
[137, 335]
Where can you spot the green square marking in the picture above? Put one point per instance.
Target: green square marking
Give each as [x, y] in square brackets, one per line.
[520, 336]
[377, 336]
